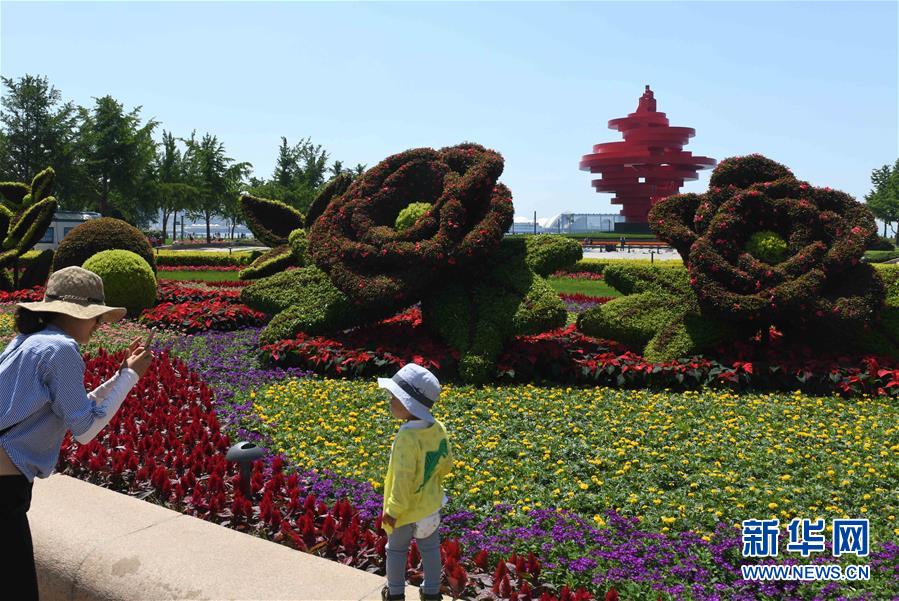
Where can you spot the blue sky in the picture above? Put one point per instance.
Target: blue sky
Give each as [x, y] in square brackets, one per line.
[812, 84]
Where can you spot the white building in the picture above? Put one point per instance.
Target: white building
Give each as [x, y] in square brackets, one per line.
[567, 223]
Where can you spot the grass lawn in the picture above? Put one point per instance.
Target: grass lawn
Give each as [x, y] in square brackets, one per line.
[206, 276]
[588, 287]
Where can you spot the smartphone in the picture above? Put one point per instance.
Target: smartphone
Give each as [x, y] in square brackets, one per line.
[149, 339]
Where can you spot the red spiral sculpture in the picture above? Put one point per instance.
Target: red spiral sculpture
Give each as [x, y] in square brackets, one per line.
[649, 165]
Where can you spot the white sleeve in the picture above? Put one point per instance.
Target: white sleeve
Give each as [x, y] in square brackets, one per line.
[109, 397]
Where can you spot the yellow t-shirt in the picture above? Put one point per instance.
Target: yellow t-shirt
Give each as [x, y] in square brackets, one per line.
[413, 486]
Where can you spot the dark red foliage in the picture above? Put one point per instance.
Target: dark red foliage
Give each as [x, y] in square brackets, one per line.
[174, 291]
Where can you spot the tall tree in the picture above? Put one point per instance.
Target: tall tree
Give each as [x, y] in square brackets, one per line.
[118, 150]
[883, 200]
[214, 175]
[39, 131]
[173, 193]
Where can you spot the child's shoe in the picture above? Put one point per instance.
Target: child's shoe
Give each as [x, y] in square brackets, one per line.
[386, 596]
[429, 596]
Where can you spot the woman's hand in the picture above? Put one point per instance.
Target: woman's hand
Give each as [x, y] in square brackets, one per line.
[389, 520]
[138, 357]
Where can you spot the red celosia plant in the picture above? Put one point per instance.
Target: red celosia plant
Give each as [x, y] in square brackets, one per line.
[200, 316]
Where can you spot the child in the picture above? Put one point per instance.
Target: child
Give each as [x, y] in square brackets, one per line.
[42, 396]
[413, 491]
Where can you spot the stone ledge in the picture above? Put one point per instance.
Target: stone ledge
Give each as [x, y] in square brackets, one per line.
[91, 543]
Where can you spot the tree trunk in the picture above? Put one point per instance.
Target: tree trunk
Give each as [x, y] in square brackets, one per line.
[884, 228]
[104, 196]
[165, 224]
[175, 226]
[208, 231]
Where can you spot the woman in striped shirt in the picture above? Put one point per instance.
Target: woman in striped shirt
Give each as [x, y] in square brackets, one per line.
[42, 396]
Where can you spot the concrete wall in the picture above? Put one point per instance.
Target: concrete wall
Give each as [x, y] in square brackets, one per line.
[91, 544]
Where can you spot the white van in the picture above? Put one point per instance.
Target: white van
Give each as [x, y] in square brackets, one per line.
[63, 222]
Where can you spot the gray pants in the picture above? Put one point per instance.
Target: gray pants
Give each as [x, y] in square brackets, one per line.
[398, 553]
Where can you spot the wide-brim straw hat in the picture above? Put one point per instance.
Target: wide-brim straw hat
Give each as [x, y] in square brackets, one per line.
[76, 292]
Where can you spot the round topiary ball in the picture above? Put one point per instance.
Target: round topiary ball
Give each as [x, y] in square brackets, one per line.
[410, 215]
[127, 278]
[96, 235]
[767, 246]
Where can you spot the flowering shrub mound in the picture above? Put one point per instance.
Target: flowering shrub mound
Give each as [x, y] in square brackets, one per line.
[199, 316]
[354, 240]
[821, 233]
[578, 275]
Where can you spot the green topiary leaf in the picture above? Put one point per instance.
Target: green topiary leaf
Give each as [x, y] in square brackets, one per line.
[38, 270]
[42, 184]
[313, 305]
[275, 260]
[29, 227]
[13, 193]
[271, 221]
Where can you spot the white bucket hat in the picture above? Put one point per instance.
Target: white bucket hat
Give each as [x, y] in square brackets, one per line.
[77, 292]
[415, 387]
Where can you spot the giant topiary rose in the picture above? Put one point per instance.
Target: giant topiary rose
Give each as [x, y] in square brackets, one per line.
[764, 248]
[356, 243]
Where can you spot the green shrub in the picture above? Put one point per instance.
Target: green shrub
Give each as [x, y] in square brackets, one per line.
[409, 215]
[127, 278]
[271, 221]
[183, 257]
[313, 304]
[25, 214]
[275, 260]
[478, 314]
[299, 244]
[767, 246]
[881, 256]
[97, 235]
[547, 253]
[882, 243]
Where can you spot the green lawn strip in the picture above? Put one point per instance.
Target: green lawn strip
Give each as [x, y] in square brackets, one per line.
[678, 461]
[588, 287]
[206, 276]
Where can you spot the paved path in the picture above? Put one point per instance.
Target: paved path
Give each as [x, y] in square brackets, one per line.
[634, 253]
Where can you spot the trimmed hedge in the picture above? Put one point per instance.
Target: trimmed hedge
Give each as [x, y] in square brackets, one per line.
[299, 244]
[271, 221]
[744, 171]
[127, 278]
[97, 235]
[547, 254]
[186, 258]
[354, 240]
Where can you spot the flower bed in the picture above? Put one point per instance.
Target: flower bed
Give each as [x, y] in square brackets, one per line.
[577, 303]
[200, 316]
[533, 451]
[171, 291]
